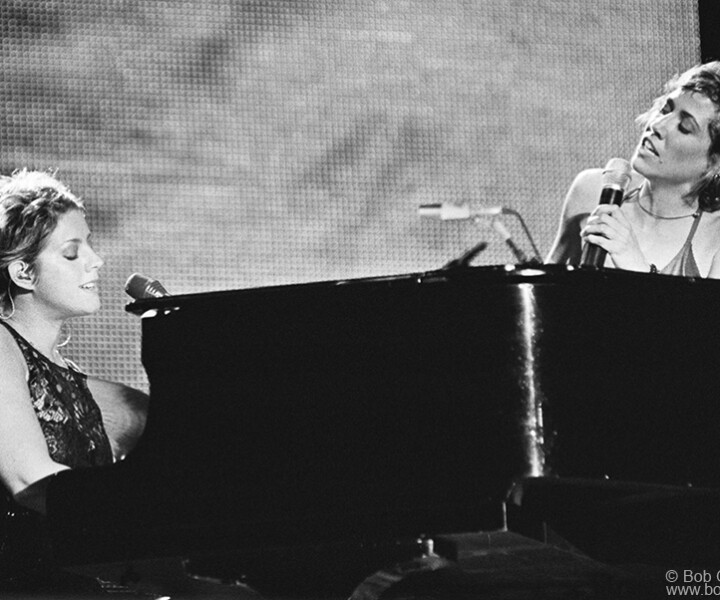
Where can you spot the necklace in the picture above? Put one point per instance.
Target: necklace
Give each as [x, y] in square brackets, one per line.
[694, 215]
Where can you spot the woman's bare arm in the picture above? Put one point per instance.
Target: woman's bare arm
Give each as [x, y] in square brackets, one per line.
[124, 412]
[24, 456]
[581, 199]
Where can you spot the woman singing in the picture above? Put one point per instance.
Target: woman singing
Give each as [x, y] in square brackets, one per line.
[669, 221]
[52, 416]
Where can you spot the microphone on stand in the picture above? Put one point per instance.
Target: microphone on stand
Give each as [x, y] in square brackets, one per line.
[615, 178]
[139, 287]
[455, 212]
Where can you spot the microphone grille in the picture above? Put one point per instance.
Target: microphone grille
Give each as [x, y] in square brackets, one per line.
[616, 173]
[139, 286]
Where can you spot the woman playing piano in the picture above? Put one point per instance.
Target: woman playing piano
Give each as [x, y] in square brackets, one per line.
[52, 416]
[669, 220]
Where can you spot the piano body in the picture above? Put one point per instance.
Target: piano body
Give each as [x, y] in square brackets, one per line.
[387, 408]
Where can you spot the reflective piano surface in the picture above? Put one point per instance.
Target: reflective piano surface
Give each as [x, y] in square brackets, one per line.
[391, 407]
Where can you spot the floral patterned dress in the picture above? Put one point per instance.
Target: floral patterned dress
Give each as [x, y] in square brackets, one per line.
[72, 424]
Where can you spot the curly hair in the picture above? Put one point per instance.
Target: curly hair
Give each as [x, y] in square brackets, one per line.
[703, 79]
[31, 202]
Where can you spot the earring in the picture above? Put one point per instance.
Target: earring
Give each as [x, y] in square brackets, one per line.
[714, 188]
[4, 316]
[66, 330]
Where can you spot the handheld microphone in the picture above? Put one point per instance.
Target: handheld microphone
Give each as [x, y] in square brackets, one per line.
[615, 178]
[454, 212]
[139, 287]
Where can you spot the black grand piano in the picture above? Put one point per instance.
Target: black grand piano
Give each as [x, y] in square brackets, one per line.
[388, 408]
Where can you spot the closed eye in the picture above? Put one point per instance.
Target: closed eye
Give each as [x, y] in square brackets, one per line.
[71, 251]
[687, 124]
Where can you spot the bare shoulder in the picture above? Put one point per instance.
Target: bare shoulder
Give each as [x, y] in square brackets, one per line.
[580, 199]
[12, 363]
[706, 244]
[712, 218]
[14, 392]
[584, 192]
[709, 230]
[714, 270]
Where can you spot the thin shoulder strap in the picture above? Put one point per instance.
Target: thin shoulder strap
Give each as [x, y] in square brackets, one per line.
[693, 229]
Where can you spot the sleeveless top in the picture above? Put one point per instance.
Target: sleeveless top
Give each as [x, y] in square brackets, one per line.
[69, 417]
[683, 264]
[72, 425]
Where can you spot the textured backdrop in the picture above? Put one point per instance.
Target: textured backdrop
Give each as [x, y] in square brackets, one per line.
[222, 144]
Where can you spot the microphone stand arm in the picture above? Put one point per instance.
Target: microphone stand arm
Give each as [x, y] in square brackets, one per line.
[464, 259]
[536, 253]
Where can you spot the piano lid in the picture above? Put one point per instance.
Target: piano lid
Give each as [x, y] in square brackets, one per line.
[395, 406]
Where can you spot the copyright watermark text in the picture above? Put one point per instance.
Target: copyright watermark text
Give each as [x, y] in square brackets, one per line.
[689, 582]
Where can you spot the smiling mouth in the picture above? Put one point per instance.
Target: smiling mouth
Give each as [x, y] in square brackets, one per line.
[649, 146]
[89, 286]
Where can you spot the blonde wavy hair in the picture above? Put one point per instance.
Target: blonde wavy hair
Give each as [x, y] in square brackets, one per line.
[31, 203]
